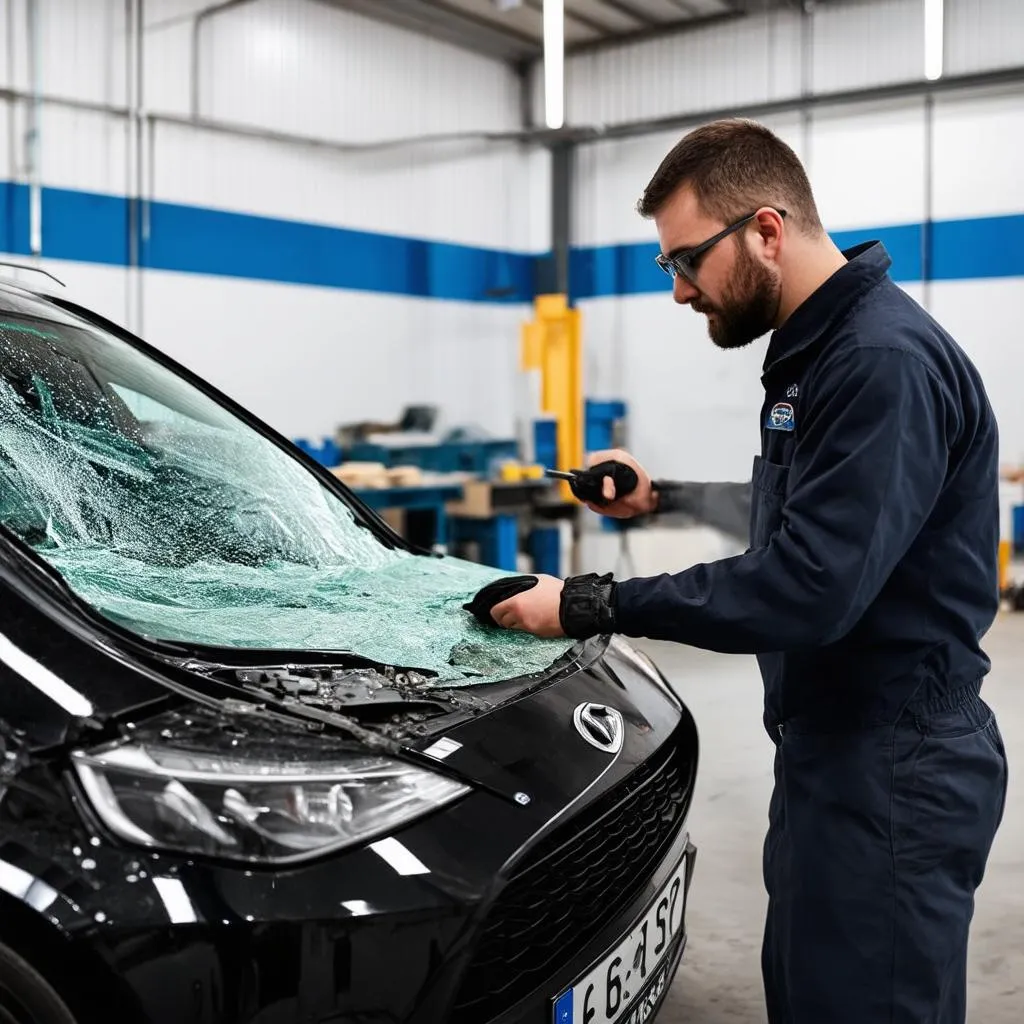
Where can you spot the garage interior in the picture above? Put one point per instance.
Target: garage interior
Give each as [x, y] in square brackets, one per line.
[403, 234]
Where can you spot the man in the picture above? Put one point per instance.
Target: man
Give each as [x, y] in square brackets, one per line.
[870, 578]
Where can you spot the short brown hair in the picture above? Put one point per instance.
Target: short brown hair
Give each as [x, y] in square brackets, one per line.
[735, 166]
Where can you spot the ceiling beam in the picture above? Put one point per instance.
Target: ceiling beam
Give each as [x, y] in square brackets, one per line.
[688, 9]
[439, 20]
[663, 30]
[581, 19]
[631, 12]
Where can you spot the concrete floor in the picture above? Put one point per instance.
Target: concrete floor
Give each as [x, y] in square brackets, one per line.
[719, 979]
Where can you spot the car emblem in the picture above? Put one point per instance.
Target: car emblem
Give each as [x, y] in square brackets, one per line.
[600, 726]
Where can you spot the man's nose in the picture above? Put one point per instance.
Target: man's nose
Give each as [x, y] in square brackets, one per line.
[682, 291]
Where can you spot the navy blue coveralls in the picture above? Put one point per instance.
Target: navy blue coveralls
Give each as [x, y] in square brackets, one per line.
[870, 578]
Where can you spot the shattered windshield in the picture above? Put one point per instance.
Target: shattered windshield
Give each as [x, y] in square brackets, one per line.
[173, 518]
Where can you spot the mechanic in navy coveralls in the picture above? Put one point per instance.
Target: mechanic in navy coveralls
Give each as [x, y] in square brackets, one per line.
[870, 579]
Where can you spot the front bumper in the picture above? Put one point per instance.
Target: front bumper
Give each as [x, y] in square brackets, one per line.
[385, 970]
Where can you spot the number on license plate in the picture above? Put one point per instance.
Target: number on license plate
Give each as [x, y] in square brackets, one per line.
[607, 991]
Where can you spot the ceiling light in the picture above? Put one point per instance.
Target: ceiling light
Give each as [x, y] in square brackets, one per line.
[554, 63]
[933, 38]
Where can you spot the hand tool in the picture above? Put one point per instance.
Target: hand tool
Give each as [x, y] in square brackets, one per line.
[587, 484]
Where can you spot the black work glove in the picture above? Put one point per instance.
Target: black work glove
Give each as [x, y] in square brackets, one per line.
[494, 593]
[589, 483]
[586, 607]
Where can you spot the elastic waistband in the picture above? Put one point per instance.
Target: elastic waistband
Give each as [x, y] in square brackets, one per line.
[845, 721]
[948, 701]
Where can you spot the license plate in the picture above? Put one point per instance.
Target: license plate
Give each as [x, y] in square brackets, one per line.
[627, 985]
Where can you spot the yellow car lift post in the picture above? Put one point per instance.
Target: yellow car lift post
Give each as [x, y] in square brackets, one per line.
[552, 345]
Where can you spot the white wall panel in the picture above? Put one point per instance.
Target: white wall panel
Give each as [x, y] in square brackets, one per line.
[473, 194]
[82, 48]
[867, 164]
[979, 159]
[983, 34]
[317, 70]
[307, 359]
[744, 61]
[167, 66]
[82, 150]
[867, 42]
[984, 317]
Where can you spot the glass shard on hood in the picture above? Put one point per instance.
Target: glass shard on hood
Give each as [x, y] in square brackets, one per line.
[169, 515]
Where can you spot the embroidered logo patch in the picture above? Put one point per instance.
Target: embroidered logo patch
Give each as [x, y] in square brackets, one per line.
[792, 391]
[781, 417]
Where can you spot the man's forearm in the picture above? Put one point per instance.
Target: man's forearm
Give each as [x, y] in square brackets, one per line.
[724, 506]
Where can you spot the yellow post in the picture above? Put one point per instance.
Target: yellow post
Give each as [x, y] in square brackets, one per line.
[1004, 566]
[552, 344]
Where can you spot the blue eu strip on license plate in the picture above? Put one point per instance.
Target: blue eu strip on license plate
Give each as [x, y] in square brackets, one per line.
[563, 1009]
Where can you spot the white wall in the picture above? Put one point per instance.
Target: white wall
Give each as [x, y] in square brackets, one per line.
[693, 408]
[305, 358]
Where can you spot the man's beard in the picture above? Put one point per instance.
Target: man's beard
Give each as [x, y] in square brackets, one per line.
[749, 309]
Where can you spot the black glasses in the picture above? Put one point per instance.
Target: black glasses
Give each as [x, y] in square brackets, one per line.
[685, 263]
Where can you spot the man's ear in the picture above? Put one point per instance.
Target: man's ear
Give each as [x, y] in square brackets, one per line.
[770, 232]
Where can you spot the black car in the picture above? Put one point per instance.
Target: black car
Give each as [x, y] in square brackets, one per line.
[260, 764]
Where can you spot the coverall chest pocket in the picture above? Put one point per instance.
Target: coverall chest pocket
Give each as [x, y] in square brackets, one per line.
[768, 493]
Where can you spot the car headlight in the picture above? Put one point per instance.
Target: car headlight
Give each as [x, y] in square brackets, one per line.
[239, 809]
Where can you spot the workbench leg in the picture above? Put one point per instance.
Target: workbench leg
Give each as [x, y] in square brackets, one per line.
[546, 549]
[498, 538]
[501, 543]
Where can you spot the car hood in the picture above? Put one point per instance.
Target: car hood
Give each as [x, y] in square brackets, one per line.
[72, 669]
[68, 679]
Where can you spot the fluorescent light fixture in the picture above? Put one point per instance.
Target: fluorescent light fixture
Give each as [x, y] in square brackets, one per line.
[554, 63]
[933, 38]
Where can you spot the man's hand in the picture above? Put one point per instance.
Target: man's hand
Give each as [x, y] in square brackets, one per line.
[535, 611]
[641, 502]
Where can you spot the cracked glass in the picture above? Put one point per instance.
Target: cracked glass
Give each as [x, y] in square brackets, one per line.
[175, 519]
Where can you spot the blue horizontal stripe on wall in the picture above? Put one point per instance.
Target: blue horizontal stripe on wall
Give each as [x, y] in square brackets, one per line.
[983, 247]
[95, 229]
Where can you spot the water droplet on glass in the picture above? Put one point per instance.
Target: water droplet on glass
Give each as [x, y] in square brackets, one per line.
[100, 916]
[95, 841]
[88, 864]
[131, 878]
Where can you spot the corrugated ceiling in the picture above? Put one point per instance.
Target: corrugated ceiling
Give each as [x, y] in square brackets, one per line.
[514, 29]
